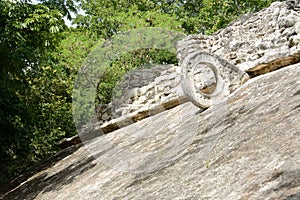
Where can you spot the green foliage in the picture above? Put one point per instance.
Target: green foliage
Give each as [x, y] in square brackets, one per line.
[107, 18]
[68, 58]
[134, 19]
[15, 134]
[38, 104]
[72, 51]
[186, 12]
[27, 33]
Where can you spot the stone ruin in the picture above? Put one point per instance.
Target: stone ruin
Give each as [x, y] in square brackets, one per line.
[211, 67]
[250, 46]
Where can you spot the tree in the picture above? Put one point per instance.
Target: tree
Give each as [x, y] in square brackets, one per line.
[107, 17]
[27, 34]
[192, 16]
[217, 14]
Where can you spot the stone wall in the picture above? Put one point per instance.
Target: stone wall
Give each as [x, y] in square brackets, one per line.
[146, 87]
[128, 90]
[150, 88]
[143, 89]
[253, 39]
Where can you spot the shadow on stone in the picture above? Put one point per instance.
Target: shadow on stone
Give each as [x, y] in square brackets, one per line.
[45, 183]
[294, 197]
[33, 185]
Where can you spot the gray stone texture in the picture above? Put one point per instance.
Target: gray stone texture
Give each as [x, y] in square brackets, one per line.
[247, 147]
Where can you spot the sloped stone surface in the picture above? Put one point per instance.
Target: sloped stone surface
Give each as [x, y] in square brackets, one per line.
[247, 147]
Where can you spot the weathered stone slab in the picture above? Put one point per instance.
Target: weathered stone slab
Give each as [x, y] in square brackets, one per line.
[247, 147]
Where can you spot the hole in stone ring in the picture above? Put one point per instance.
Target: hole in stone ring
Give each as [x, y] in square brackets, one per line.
[204, 78]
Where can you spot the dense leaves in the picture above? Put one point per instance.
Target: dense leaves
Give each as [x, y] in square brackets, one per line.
[27, 34]
[107, 18]
[192, 16]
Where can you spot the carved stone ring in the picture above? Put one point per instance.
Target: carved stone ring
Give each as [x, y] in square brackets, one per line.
[206, 78]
